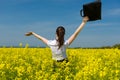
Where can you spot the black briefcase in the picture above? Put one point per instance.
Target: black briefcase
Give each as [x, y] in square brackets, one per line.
[92, 10]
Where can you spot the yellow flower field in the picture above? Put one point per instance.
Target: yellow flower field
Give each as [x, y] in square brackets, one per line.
[37, 64]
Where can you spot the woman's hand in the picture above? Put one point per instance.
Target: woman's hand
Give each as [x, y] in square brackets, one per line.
[29, 34]
[37, 36]
[85, 19]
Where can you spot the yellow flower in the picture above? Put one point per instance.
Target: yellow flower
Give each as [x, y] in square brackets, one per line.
[2, 66]
[102, 73]
[29, 68]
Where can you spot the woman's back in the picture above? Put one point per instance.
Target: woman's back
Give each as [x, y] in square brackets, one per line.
[58, 53]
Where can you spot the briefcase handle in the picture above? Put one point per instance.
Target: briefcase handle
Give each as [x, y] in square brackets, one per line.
[81, 12]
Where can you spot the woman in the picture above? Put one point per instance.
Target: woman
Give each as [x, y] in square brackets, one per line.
[59, 45]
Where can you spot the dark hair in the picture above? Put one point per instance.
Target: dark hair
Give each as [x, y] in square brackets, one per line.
[60, 31]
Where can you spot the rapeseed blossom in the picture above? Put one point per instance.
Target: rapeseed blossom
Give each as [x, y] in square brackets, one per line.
[37, 64]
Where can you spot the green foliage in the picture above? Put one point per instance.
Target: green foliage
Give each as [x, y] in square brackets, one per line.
[116, 46]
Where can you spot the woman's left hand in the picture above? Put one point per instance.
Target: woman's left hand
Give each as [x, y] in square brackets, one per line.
[29, 33]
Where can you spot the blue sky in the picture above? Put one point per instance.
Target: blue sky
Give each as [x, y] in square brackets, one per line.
[43, 17]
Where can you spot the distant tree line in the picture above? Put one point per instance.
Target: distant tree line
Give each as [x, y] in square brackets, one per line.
[102, 47]
[114, 46]
[27, 45]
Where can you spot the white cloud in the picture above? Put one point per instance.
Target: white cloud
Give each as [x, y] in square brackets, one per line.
[41, 25]
[14, 2]
[115, 12]
[104, 24]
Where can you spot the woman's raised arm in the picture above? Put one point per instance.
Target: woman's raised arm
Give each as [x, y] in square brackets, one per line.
[74, 35]
[37, 36]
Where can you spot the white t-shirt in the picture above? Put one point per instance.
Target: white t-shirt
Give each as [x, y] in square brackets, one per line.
[58, 54]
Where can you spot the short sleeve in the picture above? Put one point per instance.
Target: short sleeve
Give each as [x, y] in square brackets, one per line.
[66, 43]
[51, 42]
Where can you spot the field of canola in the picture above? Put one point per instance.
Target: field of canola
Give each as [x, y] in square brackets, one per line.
[37, 64]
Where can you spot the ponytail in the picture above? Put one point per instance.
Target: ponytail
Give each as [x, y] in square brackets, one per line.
[60, 34]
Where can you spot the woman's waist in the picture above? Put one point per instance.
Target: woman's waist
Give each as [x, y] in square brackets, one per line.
[59, 55]
[61, 60]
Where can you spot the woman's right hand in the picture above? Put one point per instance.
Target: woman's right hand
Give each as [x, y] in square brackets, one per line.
[29, 34]
[85, 19]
